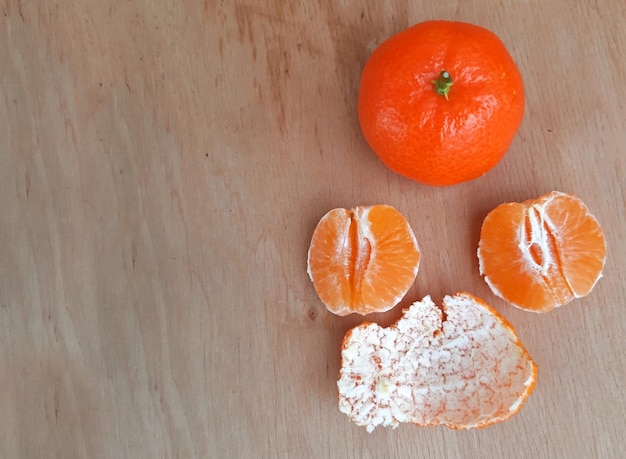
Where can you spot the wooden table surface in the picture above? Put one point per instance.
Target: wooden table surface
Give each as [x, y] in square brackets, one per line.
[162, 168]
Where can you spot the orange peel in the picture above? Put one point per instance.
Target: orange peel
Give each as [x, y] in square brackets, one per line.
[461, 366]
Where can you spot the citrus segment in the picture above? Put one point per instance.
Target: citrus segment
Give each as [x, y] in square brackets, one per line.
[362, 260]
[542, 253]
[461, 366]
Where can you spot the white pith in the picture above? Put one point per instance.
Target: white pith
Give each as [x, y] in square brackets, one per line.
[394, 375]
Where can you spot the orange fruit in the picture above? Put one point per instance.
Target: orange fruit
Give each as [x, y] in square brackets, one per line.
[362, 260]
[462, 366]
[440, 102]
[541, 254]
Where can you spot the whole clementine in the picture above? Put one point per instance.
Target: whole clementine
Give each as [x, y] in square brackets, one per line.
[441, 102]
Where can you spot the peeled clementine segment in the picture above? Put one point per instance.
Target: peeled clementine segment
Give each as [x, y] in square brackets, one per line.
[461, 366]
[362, 260]
[541, 254]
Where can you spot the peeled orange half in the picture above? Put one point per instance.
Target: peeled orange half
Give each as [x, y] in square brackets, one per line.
[461, 366]
[362, 260]
[541, 254]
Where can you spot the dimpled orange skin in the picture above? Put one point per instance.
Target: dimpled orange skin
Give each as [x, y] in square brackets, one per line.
[420, 133]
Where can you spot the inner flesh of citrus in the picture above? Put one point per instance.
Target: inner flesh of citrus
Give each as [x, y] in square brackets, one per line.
[541, 254]
[362, 260]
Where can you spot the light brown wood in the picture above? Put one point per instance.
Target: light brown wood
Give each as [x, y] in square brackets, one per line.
[162, 168]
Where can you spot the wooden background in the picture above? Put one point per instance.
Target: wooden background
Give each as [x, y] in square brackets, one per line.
[162, 168]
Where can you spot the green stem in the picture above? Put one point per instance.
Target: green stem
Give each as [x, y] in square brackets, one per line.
[443, 84]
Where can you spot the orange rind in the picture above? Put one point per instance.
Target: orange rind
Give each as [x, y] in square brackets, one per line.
[461, 366]
[362, 260]
[543, 253]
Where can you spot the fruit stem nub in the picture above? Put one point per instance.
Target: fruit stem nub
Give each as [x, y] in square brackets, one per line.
[443, 84]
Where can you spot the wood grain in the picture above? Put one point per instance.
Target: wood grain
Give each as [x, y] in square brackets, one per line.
[162, 168]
